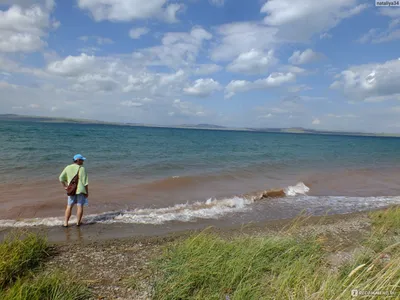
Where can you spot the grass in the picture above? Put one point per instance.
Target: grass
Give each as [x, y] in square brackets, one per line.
[207, 266]
[21, 276]
[20, 252]
[47, 286]
[386, 221]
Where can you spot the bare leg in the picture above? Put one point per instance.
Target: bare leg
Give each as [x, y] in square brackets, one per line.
[79, 214]
[67, 214]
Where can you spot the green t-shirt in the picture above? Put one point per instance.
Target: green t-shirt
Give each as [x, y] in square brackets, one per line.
[70, 172]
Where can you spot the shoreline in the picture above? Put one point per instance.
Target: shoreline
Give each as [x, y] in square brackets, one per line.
[107, 265]
[119, 233]
[105, 233]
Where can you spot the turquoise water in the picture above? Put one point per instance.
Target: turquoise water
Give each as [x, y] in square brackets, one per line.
[42, 149]
[145, 175]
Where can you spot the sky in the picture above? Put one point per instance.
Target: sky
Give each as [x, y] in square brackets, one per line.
[327, 65]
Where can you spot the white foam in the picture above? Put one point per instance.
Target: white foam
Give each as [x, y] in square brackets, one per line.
[213, 209]
[298, 189]
[210, 209]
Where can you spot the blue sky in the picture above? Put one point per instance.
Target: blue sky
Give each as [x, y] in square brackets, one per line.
[332, 64]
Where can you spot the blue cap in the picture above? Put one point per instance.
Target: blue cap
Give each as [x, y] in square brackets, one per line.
[79, 156]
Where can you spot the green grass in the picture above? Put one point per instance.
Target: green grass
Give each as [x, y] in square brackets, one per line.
[46, 287]
[21, 277]
[207, 266]
[386, 221]
[20, 253]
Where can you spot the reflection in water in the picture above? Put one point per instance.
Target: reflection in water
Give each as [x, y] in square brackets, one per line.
[73, 235]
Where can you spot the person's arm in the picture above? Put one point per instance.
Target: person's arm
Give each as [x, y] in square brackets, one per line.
[85, 181]
[64, 184]
[64, 179]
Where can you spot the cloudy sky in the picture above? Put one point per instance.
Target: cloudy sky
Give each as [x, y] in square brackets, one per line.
[332, 64]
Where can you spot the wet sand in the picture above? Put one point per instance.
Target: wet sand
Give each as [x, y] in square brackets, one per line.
[45, 197]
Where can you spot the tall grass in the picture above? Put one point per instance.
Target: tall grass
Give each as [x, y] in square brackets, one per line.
[46, 287]
[19, 253]
[280, 267]
[386, 221]
[208, 267]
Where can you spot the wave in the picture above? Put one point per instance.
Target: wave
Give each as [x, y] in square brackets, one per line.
[210, 209]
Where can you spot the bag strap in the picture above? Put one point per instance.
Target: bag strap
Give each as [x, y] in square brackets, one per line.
[77, 174]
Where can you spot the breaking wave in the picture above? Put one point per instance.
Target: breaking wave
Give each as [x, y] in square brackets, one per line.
[188, 212]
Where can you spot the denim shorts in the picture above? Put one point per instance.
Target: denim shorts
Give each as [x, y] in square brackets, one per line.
[78, 200]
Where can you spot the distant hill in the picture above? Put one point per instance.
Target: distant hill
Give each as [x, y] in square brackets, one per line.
[295, 130]
[211, 126]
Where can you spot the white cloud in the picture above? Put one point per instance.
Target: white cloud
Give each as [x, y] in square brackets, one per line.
[299, 88]
[186, 109]
[48, 4]
[166, 79]
[131, 103]
[367, 37]
[345, 116]
[171, 11]
[104, 41]
[273, 80]
[34, 106]
[237, 38]
[392, 12]
[292, 69]
[203, 87]
[161, 84]
[23, 29]
[177, 48]
[130, 10]
[6, 85]
[72, 65]
[316, 121]
[325, 35]
[253, 62]
[267, 116]
[99, 39]
[95, 83]
[136, 33]
[374, 99]
[308, 17]
[104, 74]
[376, 35]
[218, 3]
[370, 82]
[236, 86]
[206, 69]
[305, 57]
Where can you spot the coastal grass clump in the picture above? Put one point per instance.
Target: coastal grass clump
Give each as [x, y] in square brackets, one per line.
[52, 286]
[386, 221]
[20, 252]
[22, 276]
[208, 267]
[281, 266]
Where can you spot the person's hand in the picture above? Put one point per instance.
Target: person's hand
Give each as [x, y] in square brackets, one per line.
[87, 195]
